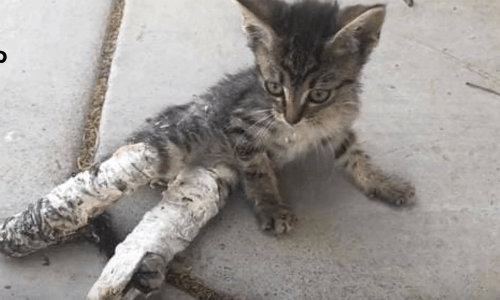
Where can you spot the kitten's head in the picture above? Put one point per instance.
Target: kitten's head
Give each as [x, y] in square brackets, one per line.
[309, 54]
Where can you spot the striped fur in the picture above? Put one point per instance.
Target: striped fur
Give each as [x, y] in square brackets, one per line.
[299, 49]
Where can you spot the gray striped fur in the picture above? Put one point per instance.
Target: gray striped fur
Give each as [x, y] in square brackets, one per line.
[302, 47]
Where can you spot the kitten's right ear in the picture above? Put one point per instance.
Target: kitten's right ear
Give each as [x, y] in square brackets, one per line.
[360, 31]
[257, 19]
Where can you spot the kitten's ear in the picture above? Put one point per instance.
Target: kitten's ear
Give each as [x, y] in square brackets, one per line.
[360, 31]
[257, 19]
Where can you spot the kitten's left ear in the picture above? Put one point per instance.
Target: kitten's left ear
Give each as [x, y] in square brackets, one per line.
[360, 32]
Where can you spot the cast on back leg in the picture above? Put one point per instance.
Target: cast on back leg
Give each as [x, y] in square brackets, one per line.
[57, 216]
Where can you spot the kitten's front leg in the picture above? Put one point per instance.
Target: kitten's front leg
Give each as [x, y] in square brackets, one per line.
[369, 177]
[261, 186]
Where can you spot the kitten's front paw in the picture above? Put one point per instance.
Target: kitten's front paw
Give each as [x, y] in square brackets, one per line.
[394, 192]
[276, 218]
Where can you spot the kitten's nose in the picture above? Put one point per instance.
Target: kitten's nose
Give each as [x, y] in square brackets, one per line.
[292, 118]
[293, 113]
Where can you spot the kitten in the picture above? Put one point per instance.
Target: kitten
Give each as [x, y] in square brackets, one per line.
[302, 93]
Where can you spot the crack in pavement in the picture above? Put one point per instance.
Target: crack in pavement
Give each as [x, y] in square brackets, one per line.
[90, 139]
[467, 65]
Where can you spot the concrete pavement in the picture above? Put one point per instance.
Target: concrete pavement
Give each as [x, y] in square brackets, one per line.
[419, 120]
[53, 50]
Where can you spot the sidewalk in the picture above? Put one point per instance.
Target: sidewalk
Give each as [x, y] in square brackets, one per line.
[419, 120]
[53, 50]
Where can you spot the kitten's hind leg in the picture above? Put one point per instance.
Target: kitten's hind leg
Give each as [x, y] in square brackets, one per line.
[194, 197]
[261, 185]
[369, 177]
[57, 216]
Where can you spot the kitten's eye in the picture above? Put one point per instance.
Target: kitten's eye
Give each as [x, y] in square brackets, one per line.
[274, 88]
[319, 95]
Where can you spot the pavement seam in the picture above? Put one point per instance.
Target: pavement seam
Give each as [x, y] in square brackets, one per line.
[90, 139]
[191, 285]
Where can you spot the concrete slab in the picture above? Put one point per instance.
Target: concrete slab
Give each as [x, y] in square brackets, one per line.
[419, 120]
[53, 49]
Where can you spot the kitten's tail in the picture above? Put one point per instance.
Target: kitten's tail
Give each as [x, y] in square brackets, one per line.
[101, 233]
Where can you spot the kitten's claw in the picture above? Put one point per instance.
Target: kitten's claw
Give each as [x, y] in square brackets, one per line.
[398, 193]
[276, 218]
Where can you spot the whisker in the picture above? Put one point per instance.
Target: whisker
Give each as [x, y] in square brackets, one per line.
[257, 123]
[260, 111]
[260, 134]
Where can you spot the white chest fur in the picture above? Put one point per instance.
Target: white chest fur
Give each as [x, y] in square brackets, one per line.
[287, 144]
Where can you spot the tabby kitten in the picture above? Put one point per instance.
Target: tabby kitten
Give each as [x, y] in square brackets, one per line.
[302, 93]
